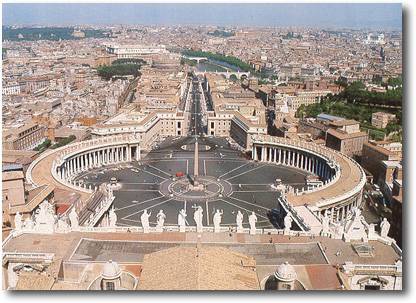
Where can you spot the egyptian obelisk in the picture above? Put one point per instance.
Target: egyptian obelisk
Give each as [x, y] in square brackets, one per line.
[196, 161]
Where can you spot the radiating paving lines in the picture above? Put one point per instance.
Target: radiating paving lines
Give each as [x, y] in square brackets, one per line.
[245, 172]
[151, 166]
[150, 173]
[134, 204]
[252, 204]
[238, 167]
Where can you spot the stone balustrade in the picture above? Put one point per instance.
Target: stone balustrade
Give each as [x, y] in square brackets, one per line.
[371, 268]
[289, 209]
[205, 229]
[102, 208]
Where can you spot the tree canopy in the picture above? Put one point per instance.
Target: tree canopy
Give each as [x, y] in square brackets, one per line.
[356, 93]
[107, 72]
[358, 104]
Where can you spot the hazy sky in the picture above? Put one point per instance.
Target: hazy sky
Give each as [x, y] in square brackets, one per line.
[336, 15]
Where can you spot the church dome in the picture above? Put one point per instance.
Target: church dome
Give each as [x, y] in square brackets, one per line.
[285, 272]
[111, 270]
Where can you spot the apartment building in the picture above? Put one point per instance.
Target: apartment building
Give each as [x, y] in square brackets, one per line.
[381, 119]
[24, 136]
[345, 136]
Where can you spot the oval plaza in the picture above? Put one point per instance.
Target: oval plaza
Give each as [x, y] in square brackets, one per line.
[335, 189]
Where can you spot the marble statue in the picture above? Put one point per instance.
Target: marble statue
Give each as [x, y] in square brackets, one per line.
[239, 221]
[45, 218]
[73, 219]
[63, 225]
[160, 220]
[356, 213]
[28, 224]
[112, 216]
[252, 219]
[325, 225]
[144, 218]
[18, 222]
[338, 230]
[182, 220]
[372, 232]
[288, 222]
[217, 220]
[356, 228]
[198, 216]
[384, 228]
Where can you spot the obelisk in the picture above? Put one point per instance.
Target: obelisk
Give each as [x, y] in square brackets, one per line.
[196, 160]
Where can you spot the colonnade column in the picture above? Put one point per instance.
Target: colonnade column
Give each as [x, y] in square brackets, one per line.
[70, 167]
[90, 160]
[100, 157]
[128, 153]
[284, 157]
[137, 152]
[77, 165]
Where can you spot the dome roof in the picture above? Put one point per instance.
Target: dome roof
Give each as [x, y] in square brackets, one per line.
[111, 270]
[285, 272]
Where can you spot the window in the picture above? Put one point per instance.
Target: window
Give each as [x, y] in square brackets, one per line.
[372, 287]
[109, 286]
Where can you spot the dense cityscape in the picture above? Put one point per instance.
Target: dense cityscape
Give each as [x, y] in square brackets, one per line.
[201, 158]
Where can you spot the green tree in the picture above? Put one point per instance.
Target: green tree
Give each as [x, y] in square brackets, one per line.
[233, 78]
[107, 72]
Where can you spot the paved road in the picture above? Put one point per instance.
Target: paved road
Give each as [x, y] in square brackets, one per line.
[197, 128]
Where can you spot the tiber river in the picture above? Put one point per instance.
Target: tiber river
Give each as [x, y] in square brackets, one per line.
[214, 65]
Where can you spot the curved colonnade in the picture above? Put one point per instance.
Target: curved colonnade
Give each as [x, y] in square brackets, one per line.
[341, 179]
[66, 162]
[94, 154]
